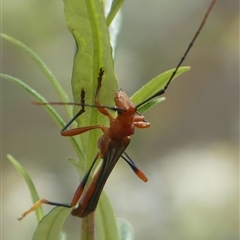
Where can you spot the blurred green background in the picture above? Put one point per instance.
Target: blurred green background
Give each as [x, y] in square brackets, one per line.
[190, 153]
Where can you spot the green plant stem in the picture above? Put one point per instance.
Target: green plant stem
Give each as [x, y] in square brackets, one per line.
[88, 228]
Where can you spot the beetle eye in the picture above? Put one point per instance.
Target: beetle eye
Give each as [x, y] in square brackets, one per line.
[119, 110]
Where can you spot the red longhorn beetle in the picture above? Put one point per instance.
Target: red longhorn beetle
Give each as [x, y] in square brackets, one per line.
[113, 142]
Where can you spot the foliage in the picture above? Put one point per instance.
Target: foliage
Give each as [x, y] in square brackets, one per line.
[86, 21]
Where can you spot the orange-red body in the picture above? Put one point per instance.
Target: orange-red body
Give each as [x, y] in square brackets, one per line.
[111, 144]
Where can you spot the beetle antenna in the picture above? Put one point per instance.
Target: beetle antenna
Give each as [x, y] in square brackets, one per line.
[162, 91]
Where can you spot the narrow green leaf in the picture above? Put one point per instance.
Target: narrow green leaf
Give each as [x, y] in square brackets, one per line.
[116, 4]
[106, 227]
[125, 229]
[114, 24]
[155, 85]
[151, 103]
[78, 166]
[50, 226]
[39, 211]
[86, 21]
[40, 63]
[49, 108]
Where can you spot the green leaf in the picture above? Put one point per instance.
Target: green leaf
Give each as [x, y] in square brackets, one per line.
[31, 187]
[49, 108]
[155, 85]
[52, 79]
[50, 226]
[86, 21]
[116, 4]
[125, 229]
[113, 21]
[151, 103]
[78, 166]
[106, 227]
